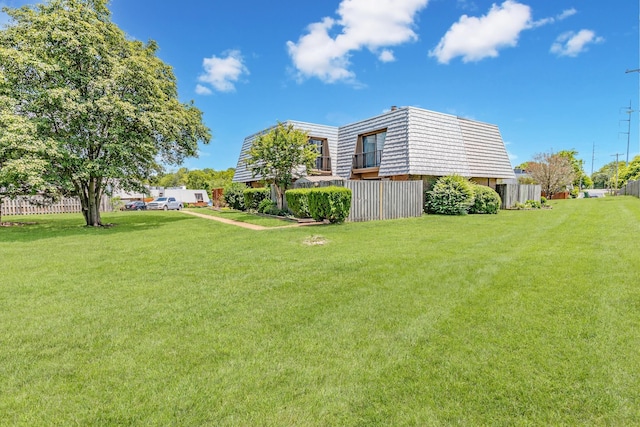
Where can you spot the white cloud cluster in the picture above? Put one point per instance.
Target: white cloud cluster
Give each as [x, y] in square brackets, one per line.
[571, 43]
[371, 24]
[221, 72]
[478, 38]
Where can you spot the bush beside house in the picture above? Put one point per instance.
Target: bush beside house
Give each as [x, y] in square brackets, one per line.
[456, 195]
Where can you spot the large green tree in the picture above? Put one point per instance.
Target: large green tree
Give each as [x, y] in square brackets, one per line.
[108, 103]
[281, 155]
[611, 175]
[632, 170]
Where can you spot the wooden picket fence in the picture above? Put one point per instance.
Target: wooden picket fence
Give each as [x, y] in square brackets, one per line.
[35, 206]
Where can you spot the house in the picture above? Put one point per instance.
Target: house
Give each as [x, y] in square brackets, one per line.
[402, 144]
[324, 137]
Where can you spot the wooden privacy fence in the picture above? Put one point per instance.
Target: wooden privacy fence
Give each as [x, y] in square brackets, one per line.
[517, 193]
[632, 188]
[24, 206]
[376, 200]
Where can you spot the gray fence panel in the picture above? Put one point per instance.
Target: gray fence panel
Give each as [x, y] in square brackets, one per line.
[379, 200]
[517, 193]
[632, 188]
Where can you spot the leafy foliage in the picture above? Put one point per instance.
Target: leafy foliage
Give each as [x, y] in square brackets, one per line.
[23, 169]
[234, 195]
[196, 179]
[332, 203]
[280, 155]
[580, 178]
[632, 170]
[486, 200]
[451, 195]
[298, 202]
[554, 172]
[107, 102]
[253, 197]
[612, 175]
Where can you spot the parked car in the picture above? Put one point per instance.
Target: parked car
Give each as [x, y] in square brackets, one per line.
[136, 205]
[165, 203]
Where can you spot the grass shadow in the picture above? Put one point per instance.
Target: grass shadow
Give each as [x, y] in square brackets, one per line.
[63, 225]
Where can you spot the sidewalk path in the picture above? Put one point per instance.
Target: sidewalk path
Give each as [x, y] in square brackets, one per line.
[245, 224]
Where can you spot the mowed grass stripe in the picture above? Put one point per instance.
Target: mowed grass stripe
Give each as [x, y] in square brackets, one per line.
[517, 318]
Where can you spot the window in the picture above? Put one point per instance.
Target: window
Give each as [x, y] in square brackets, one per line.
[323, 161]
[369, 150]
[199, 197]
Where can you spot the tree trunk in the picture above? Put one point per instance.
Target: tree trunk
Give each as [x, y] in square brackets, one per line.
[279, 197]
[90, 194]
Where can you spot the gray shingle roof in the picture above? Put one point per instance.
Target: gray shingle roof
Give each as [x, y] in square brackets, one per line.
[418, 142]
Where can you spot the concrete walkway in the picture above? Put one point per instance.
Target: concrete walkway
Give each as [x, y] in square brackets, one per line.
[245, 224]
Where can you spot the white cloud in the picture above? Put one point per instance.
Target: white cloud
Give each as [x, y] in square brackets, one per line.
[203, 90]
[222, 72]
[370, 24]
[567, 13]
[475, 38]
[386, 56]
[572, 44]
[564, 15]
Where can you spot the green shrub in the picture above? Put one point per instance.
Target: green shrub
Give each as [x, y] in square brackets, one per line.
[234, 195]
[266, 206]
[298, 202]
[253, 197]
[451, 195]
[332, 203]
[486, 200]
[543, 201]
[533, 204]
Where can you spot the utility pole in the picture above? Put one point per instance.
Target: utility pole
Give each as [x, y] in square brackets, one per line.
[628, 132]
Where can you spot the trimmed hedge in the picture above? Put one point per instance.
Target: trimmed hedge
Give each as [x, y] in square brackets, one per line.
[298, 202]
[332, 203]
[487, 201]
[253, 197]
[451, 195]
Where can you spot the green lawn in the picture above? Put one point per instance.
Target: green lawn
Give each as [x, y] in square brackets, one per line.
[521, 318]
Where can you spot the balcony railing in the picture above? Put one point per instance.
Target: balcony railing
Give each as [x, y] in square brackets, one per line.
[369, 159]
[323, 163]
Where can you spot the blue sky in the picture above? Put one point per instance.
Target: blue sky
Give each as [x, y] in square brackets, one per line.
[550, 74]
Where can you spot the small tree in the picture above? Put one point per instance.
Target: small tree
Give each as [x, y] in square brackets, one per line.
[553, 172]
[279, 156]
